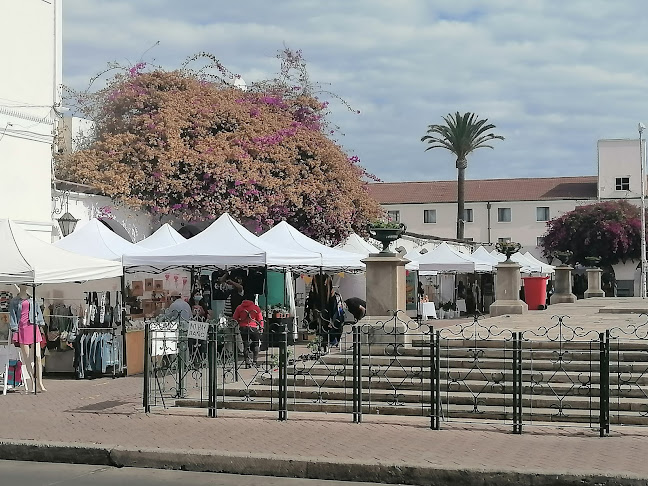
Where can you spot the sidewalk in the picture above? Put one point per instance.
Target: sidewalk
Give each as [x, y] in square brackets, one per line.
[101, 421]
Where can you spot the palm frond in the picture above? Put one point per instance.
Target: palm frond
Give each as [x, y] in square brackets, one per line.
[461, 134]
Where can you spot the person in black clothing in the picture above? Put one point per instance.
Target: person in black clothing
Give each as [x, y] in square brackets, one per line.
[357, 307]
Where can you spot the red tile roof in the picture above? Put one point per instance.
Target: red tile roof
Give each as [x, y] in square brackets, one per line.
[528, 189]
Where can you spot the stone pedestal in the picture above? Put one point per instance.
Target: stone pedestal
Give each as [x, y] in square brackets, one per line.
[385, 296]
[594, 283]
[507, 291]
[563, 293]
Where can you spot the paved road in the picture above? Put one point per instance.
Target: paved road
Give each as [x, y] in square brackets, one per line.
[49, 474]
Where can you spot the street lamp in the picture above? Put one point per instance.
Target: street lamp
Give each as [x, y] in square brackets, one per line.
[67, 222]
[641, 127]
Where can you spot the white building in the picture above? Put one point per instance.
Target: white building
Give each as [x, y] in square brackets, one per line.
[515, 209]
[30, 91]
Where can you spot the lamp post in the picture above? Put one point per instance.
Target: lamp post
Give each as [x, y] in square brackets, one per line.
[641, 127]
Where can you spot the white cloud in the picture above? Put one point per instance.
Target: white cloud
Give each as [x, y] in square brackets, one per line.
[552, 76]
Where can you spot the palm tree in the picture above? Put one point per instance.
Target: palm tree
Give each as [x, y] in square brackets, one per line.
[461, 135]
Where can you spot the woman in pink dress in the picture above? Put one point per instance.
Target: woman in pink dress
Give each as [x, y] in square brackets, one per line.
[24, 319]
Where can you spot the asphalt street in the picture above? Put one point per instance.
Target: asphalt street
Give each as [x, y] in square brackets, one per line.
[50, 474]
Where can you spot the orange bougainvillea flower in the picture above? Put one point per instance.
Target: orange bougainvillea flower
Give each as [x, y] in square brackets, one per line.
[193, 146]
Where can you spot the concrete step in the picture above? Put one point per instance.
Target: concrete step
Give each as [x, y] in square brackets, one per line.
[456, 386]
[593, 353]
[449, 413]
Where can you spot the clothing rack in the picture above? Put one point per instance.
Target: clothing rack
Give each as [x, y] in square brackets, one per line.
[107, 302]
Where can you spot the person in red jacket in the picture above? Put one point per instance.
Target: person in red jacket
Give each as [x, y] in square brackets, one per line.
[250, 321]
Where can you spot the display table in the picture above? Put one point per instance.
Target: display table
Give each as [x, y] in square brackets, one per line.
[461, 305]
[428, 311]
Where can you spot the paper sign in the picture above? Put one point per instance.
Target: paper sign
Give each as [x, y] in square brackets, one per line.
[198, 330]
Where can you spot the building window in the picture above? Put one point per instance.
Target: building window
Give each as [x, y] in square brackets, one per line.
[539, 241]
[503, 240]
[542, 214]
[393, 216]
[503, 215]
[622, 184]
[468, 215]
[429, 215]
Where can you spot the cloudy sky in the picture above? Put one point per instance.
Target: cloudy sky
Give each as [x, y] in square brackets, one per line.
[554, 76]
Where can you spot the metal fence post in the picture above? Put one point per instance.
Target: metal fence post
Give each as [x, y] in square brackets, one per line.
[520, 391]
[359, 375]
[147, 368]
[355, 373]
[283, 372]
[213, 371]
[433, 416]
[437, 379]
[517, 382]
[604, 383]
[181, 349]
[607, 381]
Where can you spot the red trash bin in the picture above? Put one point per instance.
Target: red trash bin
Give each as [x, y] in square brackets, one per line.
[535, 292]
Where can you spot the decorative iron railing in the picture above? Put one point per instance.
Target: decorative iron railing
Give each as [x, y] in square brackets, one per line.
[558, 374]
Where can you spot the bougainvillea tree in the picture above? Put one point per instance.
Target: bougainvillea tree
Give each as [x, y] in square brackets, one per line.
[189, 144]
[610, 230]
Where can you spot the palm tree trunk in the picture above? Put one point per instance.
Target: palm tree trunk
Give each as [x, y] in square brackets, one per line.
[461, 179]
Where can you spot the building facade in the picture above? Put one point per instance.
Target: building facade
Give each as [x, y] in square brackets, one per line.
[30, 99]
[514, 209]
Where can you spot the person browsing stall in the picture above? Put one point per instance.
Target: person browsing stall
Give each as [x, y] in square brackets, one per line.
[250, 321]
[179, 308]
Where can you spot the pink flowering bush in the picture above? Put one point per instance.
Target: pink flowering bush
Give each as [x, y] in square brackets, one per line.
[610, 230]
[189, 144]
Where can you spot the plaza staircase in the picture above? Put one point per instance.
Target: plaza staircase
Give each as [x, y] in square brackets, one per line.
[560, 382]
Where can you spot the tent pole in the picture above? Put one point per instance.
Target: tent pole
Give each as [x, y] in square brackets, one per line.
[265, 339]
[36, 345]
[419, 316]
[123, 323]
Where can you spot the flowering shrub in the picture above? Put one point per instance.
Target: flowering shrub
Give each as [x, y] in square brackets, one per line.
[187, 143]
[610, 230]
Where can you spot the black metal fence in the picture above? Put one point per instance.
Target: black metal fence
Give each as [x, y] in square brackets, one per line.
[558, 374]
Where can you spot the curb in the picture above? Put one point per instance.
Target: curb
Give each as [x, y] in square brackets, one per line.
[271, 465]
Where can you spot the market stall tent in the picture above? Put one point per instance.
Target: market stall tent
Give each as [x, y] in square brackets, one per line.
[96, 240]
[482, 254]
[544, 267]
[331, 259]
[29, 260]
[224, 243]
[445, 259]
[355, 244]
[527, 265]
[164, 237]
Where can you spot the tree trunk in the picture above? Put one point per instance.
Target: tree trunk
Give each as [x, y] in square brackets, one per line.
[461, 178]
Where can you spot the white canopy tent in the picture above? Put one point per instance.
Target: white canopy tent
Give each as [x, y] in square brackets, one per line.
[29, 260]
[444, 259]
[286, 236]
[96, 240]
[482, 254]
[224, 243]
[528, 266]
[544, 267]
[355, 244]
[164, 237]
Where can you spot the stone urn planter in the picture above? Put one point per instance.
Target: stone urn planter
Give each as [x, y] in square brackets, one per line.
[563, 256]
[386, 233]
[508, 248]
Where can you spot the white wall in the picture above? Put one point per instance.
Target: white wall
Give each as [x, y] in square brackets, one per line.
[619, 158]
[29, 88]
[84, 207]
